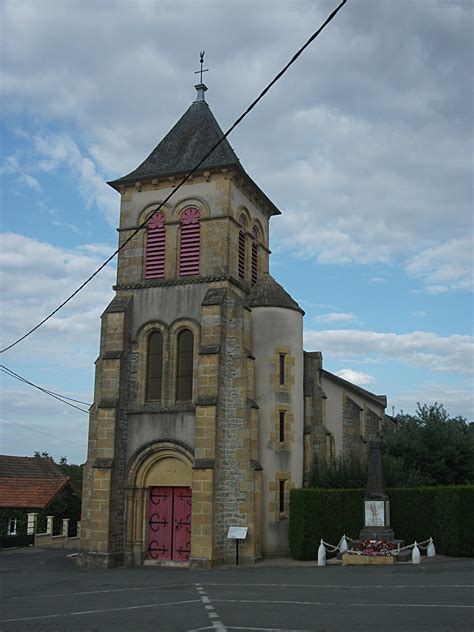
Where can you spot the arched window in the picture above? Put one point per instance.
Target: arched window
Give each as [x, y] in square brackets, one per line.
[155, 247]
[255, 255]
[184, 366]
[242, 248]
[189, 242]
[154, 373]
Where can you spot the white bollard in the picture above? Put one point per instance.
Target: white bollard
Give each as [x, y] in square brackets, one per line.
[343, 545]
[322, 554]
[431, 551]
[415, 556]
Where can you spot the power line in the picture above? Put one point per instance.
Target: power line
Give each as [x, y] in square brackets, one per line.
[23, 379]
[183, 181]
[82, 445]
[61, 398]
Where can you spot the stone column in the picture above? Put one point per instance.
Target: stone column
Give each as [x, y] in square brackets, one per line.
[65, 529]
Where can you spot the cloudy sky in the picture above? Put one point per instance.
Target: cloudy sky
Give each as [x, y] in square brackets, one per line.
[365, 145]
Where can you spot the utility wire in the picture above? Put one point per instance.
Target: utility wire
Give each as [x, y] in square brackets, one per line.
[23, 379]
[61, 398]
[231, 128]
[82, 445]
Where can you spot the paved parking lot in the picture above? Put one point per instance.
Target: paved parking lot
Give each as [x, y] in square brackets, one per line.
[44, 590]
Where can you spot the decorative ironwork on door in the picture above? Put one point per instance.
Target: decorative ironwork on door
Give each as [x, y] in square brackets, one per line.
[169, 523]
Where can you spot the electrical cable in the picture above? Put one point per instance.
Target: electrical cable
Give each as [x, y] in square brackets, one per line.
[23, 379]
[82, 445]
[61, 398]
[184, 180]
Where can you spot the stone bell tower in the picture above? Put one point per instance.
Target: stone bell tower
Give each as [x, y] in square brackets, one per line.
[173, 456]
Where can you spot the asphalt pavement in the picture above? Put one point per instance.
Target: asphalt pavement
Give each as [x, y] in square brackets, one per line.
[45, 590]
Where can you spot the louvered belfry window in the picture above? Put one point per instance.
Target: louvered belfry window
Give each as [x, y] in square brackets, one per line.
[154, 375]
[189, 242]
[155, 247]
[242, 252]
[254, 256]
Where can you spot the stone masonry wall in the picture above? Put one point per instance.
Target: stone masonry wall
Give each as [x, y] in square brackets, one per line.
[353, 442]
[102, 538]
[235, 474]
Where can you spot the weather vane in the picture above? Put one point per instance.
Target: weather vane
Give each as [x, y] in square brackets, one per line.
[197, 72]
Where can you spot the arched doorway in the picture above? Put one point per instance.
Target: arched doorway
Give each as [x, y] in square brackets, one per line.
[159, 503]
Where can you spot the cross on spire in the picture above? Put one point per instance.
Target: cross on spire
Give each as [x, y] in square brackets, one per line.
[201, 59]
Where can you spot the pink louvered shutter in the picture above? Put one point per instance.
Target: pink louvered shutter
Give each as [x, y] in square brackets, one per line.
[254, 261]
[155, 247]
[189, 242]
[242, 253]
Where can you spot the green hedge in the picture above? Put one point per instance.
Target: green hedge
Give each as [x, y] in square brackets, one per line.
[445, 513]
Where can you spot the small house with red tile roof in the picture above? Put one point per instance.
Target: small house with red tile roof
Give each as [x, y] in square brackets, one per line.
[35, 484]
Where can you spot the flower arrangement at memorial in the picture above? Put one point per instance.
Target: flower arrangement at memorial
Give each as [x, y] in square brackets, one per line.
[373, 547]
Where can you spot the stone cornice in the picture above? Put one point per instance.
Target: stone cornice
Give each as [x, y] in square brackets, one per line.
[181, 281]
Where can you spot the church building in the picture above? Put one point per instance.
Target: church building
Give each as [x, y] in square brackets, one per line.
[207, 411]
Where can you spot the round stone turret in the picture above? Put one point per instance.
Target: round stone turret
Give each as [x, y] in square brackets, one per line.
[277, 345]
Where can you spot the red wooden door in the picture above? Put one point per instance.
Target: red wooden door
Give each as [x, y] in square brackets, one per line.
[169, 523]
[182, 523]
[160, 512]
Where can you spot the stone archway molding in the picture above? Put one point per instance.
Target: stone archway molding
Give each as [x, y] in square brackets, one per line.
[162, 463]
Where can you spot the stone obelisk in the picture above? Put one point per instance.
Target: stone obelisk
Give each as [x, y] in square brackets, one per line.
[376, 502]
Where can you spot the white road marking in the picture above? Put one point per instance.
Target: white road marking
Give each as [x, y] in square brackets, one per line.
[353, 586]
[256, 629]
[346, 605]
[99, 592]
[82, 612]
[213, 616]
[202, 591]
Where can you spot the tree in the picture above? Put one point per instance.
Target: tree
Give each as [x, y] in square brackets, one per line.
[438, 447]
[75, 472]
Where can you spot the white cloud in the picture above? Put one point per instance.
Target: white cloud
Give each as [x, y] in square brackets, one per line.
[336, 317]
[445, 267]
[11, 166]
[431, 351]
[48, 152]
[457, 400]
[30, 181]
[364, 144]
[356, 377]
[35, 277]
[29, 418]
[56, 150]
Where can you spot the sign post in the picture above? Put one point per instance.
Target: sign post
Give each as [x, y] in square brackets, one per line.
[237, 533]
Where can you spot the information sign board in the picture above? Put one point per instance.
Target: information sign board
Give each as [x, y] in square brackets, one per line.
[237, 533]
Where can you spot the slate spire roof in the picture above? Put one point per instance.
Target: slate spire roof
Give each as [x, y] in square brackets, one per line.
[268, 293]
[184, 146]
